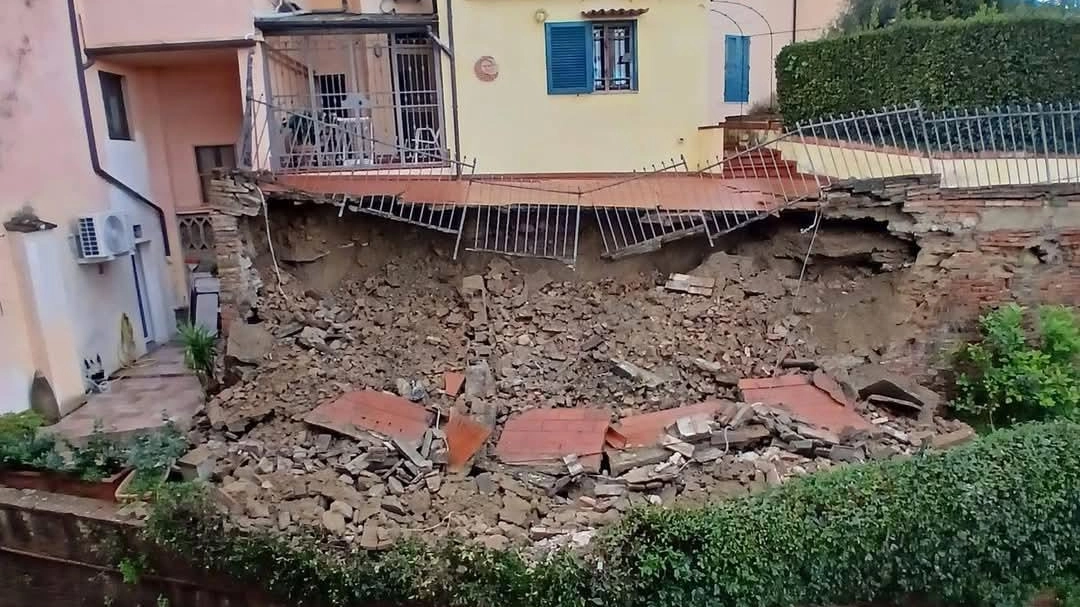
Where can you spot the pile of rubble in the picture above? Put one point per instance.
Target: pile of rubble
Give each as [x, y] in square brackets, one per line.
[407, 403]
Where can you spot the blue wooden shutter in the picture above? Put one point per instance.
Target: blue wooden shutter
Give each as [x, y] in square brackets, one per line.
[736, 69]
[569, 58]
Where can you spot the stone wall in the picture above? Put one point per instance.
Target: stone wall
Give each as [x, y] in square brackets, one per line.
[233, 197]
[60, 550]
[976, 248]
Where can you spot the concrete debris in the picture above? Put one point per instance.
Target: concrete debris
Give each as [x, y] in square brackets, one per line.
[249, 344]
[323, 429]
[953, 439]
[412, 390]
[197, 464]
[573, 465]
[873, 380]
[685, 283]
[631, 371]
[479, 380]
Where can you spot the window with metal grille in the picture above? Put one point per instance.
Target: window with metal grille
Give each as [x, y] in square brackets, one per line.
[210, 157]
[613, 57]
[331, 90]
[587, 57]
[112, 94]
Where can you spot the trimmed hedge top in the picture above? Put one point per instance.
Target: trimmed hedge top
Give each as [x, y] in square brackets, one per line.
[983, 61]
[989, 523]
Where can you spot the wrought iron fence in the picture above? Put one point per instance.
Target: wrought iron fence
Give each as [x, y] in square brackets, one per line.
[1003, 145]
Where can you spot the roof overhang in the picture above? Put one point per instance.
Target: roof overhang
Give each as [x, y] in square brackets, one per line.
[316, 23]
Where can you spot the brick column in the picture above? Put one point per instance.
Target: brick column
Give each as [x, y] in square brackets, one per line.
[234, 196]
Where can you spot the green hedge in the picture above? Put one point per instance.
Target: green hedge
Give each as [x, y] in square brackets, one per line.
[943, 64]
[989, 523]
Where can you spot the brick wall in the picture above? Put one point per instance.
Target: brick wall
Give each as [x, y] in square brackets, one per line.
[977, 248]
[60, 550]
[233, 197]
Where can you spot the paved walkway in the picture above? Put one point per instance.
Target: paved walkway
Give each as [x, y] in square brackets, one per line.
[140, 398]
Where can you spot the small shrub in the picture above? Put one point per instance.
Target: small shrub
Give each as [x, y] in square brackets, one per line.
[151, 455]
[99, 458]
[1016, 374]
[200, 349]
[22, 448]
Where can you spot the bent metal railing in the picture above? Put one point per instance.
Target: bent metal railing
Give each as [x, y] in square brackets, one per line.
[639, 212]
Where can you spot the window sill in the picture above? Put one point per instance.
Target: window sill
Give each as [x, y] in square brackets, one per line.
[620, 92]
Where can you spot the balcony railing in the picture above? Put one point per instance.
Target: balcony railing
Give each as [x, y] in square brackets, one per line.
[351, 101]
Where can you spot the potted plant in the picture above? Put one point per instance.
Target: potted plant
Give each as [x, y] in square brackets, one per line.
[151, 458]
[31, 460]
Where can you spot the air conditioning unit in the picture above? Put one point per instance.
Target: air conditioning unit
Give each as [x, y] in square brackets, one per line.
[102, 237]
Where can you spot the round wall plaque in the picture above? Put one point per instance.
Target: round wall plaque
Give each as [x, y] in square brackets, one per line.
[486, 69]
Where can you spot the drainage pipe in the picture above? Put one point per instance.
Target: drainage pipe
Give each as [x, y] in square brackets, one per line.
[91, 140]
[453, 85]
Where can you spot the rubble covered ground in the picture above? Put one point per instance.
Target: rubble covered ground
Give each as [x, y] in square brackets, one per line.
[370, 305]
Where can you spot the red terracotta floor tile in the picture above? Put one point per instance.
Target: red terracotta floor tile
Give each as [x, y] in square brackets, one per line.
[798, 396]
[645, 429]
[464, 437]
[372, 411]
[452, 382]
[549, 434]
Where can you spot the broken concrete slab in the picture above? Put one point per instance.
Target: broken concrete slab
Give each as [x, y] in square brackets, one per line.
[366, 413]
[692, 429]
[833, 388]
[817, 434]
[622, 461]
[678, 446]
[410, 453]
[249, 344]
[686, 283]
[515, 510]
[741, 437]
[895, 404]
[573, 465]
[479, 380]
[635, 373]
[844, 453]
[609, 489]
[953, 439]
[197, 464]
[874, 379]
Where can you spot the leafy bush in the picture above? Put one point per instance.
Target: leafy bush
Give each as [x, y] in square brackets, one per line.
[984, 61]
[989, 523]
[150, 455]
[1014, 374]
[22, 447]
[861, 15]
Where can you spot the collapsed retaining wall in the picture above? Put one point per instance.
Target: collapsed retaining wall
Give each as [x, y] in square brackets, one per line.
[976, 248]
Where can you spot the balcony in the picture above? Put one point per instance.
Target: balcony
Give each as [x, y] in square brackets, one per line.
[109, 24]
[350, 101]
